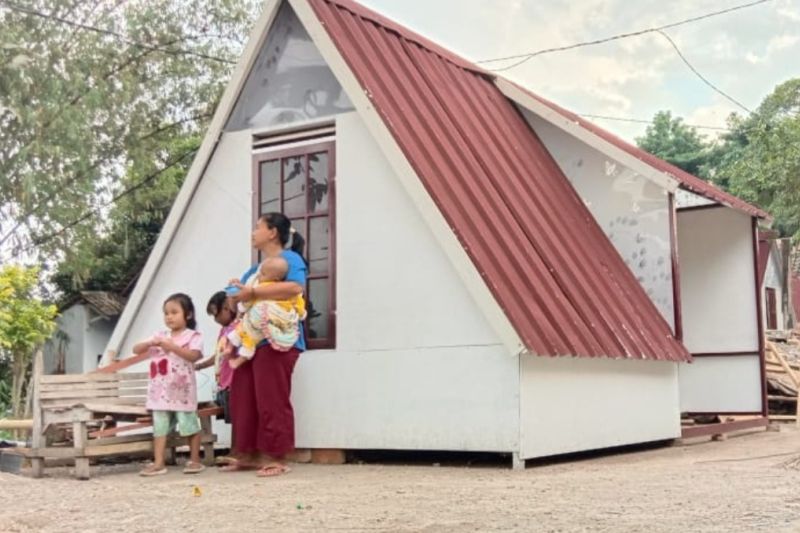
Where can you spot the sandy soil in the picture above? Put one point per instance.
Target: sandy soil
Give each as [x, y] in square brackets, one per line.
[741, 484]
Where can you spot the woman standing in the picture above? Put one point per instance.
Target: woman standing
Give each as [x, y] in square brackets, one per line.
[261, 408]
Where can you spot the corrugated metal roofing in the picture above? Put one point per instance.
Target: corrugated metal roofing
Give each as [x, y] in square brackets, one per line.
[686, 180]
[560, 281]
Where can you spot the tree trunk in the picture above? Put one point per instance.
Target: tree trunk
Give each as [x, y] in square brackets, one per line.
[19, 373]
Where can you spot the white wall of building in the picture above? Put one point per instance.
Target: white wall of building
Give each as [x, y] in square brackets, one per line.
[721, 384]
[72, 322]
[631, 209]
[574, 404]
[416, 365]
[715, 254]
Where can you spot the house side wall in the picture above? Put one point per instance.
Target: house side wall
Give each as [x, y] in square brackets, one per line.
[570, 404]
[416, 366]
[73, 323]
[631, 209]
[718, 295]
[98, 333]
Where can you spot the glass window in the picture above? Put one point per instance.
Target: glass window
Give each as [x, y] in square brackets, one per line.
[289, 81]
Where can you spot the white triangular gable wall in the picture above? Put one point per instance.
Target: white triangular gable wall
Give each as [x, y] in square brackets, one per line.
[445, 237]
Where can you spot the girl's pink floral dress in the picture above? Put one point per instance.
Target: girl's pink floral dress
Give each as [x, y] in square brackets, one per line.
[172, 385]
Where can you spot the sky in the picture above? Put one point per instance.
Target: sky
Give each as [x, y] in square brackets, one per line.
[745, 53]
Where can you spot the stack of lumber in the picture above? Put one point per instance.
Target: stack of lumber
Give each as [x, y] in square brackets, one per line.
[783, 379]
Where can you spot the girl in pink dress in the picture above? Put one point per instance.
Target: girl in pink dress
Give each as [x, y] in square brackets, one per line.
[172, 389]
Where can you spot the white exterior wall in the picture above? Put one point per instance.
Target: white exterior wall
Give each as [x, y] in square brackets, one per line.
[98, 333]
[416, 366]
[572, 404]
[72, 322]
[631, 209]
[210, 247]
[718, 296]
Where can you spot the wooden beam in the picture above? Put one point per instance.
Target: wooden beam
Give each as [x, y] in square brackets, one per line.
[707, 430]
[24, 425]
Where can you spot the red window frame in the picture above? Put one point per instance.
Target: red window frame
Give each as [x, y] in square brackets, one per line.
[301, 222]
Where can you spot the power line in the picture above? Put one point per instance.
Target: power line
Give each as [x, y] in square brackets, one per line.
[95, 211]
[645, 121]
[127, 40]
[528, 56]
[702, 78]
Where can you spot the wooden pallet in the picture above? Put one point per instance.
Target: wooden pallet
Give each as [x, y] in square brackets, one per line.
[777, 364]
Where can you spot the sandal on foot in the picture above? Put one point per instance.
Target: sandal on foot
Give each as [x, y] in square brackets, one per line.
[273, 470]
[193, 468]
[235, 466]
[151, 470]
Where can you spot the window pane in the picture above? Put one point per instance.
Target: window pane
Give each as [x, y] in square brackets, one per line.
[318, 245]
[294, 186]
[299, 225]
[318, 182]
[289, 81]
[318, 311]
[270, 173]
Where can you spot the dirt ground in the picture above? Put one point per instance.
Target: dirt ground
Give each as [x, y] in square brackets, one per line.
[740, 484]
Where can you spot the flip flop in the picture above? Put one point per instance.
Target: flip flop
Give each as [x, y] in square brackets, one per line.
[150, 471]
[193, 468]
[235, 467]
[273, 470]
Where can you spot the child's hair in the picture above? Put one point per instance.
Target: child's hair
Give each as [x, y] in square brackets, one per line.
[216, 303]
[188, 308]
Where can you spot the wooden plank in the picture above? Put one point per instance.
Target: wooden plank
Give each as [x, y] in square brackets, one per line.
[706, 430]
[65, 417]
[116, 408]
[54, 452]
[79, 443]
[8, 424]
[77, 378]
[782, 417]
[110, 432]
[58, 395]
[121, 439]
[124, 447]
[85, 386]
[122, 364]
[37, 437]
[782, 398]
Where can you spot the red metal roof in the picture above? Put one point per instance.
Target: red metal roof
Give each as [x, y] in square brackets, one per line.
[687, 181]
[558, 278]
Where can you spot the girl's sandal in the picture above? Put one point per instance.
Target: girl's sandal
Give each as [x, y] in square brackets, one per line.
[273, 470]
[151, 470]
[193, 468]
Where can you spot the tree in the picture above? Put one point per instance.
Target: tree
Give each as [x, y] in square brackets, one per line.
[673, 141]
[761, 161]
[25, 323]
[81, 106]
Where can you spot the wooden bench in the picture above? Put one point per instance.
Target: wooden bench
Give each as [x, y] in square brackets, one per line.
[93, 406]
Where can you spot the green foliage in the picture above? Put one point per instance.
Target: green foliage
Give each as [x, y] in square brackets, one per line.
[762, 157]
[675, 142]
[81, 111]
[757, 160]
[25, 321]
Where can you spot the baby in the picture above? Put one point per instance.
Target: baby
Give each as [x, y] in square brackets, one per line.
[277, 321]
